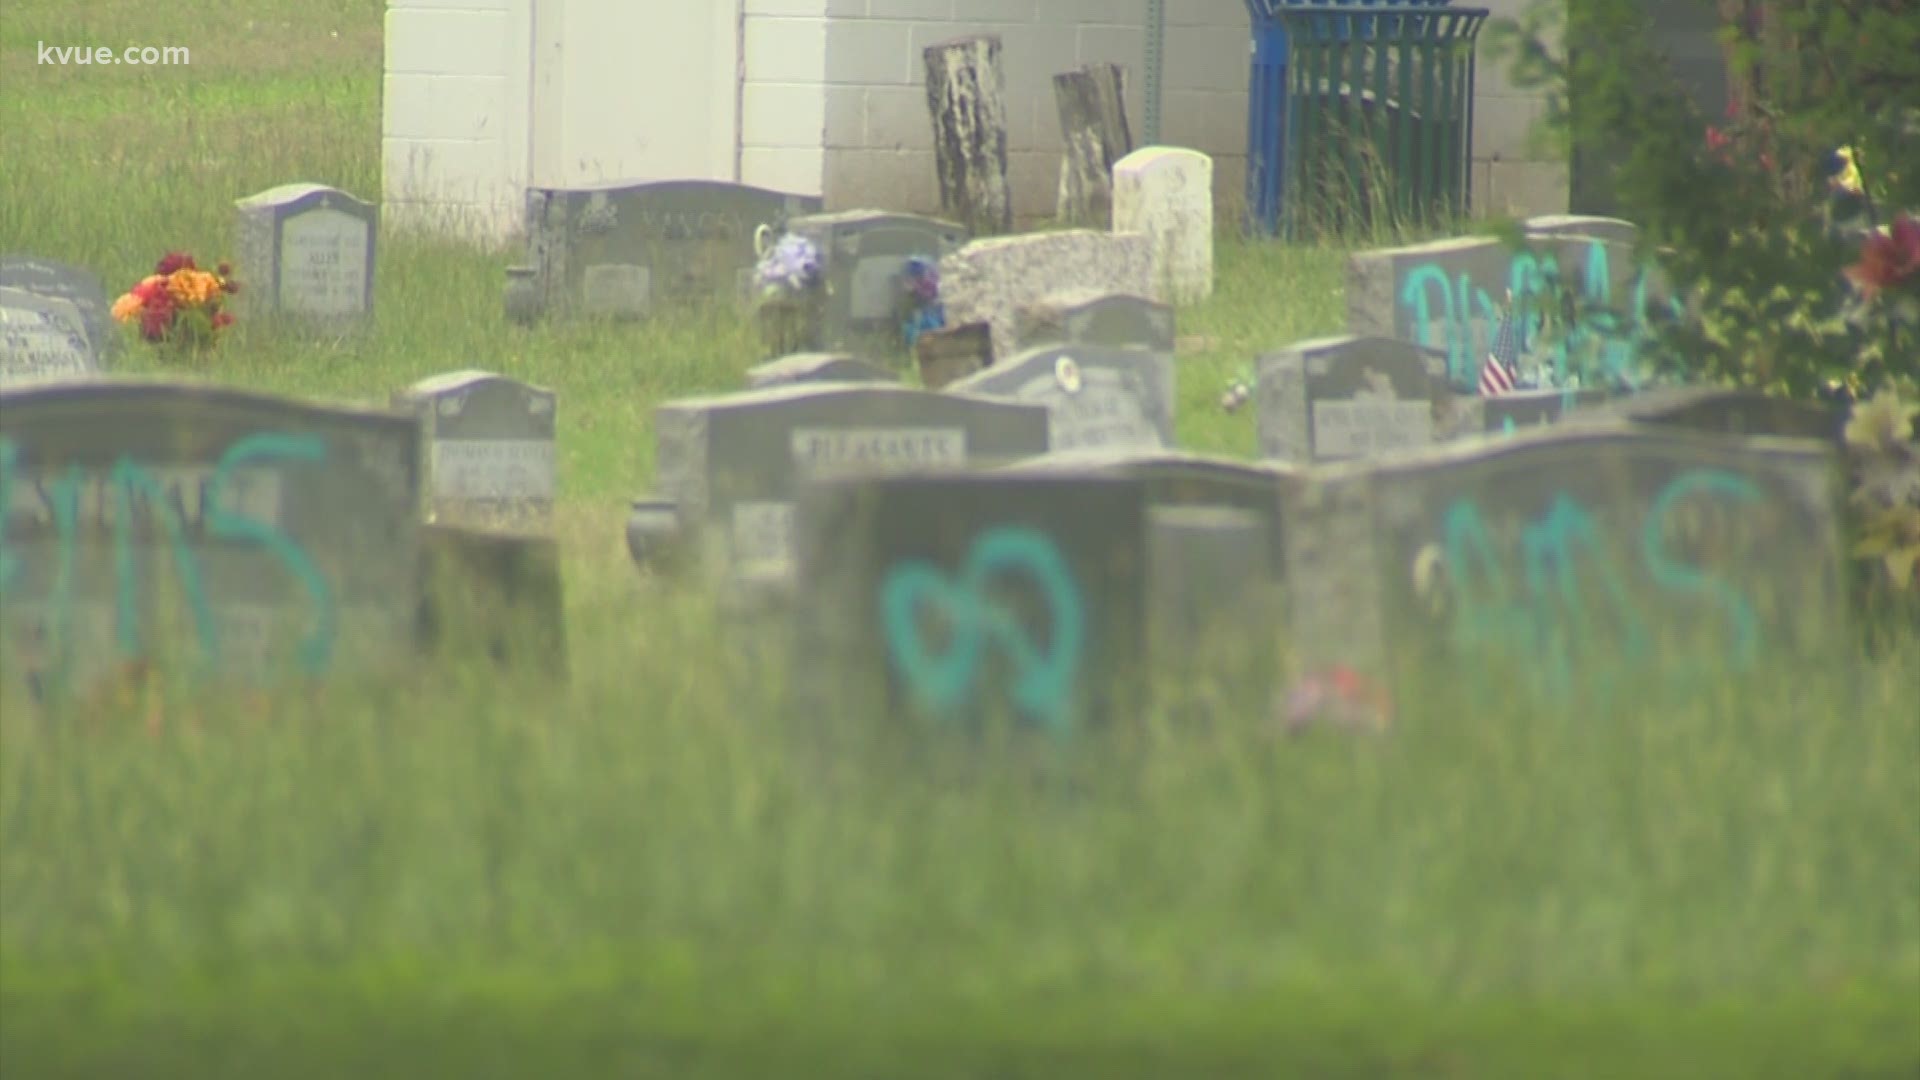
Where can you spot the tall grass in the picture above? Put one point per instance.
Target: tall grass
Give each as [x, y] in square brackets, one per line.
[661, 869]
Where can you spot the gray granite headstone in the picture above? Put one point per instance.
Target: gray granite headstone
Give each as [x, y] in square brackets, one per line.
[733, 464]
[490, 449]
[946, 600]
[1724, 411]
[195, 524]
[1213, 604]
[817, 367]
[1573, 562]
[620, 249]
[1518, 410]
[306, 250]
[1449, 295]
[1095, 397]
[1341, 398]
[82, 288]
[1092, 317]
[43, 337]
[863, 254]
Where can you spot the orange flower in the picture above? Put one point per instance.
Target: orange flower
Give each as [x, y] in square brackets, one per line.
[127, 308]
[1888, 259]
[191, 288]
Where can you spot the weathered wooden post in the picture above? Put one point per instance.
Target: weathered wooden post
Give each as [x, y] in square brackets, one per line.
[966, 95]
[1093, 120]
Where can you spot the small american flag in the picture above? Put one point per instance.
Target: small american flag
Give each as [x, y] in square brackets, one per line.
[1498, 373]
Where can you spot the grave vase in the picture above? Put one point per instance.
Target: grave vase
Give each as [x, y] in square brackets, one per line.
[790, 324]
[522, 295]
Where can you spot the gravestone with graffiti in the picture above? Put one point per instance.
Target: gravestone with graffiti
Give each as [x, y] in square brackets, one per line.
[863, 257]
[1519, 410]
[64, 281]
[1096, 398]
[43, 337]
[1724, 410]
[1091, 317]
[1578, 307]
[950, 599]
[206, 528]
[306, 251]
[621, 249]
[733, 464]
[817, 368]
[1340, 398]
[490, 449]
[1571, 563]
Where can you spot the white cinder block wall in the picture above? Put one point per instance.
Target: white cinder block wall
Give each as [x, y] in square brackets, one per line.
[1509, 176]
[454, 114]
[835, 90]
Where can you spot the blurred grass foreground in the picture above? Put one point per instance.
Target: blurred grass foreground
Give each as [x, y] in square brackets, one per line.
[657, 871]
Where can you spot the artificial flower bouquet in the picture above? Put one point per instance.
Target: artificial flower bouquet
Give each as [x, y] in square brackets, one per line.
[179, 303]
[790, 285]
[920, 300]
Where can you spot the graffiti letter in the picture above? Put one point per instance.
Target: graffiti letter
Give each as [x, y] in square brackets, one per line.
[1681, 577]
[127, 477]
[317, 650]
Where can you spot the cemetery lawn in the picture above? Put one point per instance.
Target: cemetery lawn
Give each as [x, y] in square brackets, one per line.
[650, 874]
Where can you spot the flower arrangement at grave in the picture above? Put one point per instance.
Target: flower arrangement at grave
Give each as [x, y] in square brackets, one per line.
[921, 308]
[179, 305]
[790, 290]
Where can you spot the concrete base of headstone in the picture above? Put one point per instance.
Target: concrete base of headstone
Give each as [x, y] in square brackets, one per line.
[493, 602]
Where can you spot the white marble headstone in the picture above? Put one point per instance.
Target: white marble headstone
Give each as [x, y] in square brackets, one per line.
[1166, 193]
[307, 250]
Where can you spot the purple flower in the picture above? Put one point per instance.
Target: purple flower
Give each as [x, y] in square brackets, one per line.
[923, 280]
[790, 266]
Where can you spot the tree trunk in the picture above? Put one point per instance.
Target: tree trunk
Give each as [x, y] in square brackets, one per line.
[1093, 121]
[966, 96]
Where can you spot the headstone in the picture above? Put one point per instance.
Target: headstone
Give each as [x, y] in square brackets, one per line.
[952, 353]
[1089, 317]
[988, 280]
[817, 367]
[306, 250]
[46, 277]
[732, 464]
[43, 337]
[1450, 295]
[1340, 398]
[1166, 193]
[619, 249]
[1213, 604]
[195, 524]
[489, 448]
[1518, 410]
[1612, 230]
[1572, 562]
[1724, 411]
[863, 255]
[949, 600]
[1095, 397]
[493, 598]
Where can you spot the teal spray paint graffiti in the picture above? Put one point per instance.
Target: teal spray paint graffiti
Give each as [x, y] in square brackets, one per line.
[1531, 280]
[1547, 618]
[1043, 686]
[132, 485]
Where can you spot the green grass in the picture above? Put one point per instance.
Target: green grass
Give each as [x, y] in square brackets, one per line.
[661, 872]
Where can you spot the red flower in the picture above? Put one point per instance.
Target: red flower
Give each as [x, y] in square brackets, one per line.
[221, 318]
[174, 260]
[1888, 259]
[155, 321]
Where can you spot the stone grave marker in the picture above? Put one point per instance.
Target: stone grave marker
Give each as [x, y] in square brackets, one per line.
[732, 464]
[988, 280]
[1041, 575]
[43, 337]
[1094, 397]
[81, 288]
[1450, 295]
[1214, 608]
[863, 254]
[1679, 560]
[306, 250]
[1166, 194]
[1091, 317]
[1517, 410]
[618, 249]
[817, 367]
[1340, 398]
[192, 524]
[952, 353]
[489, 449]
[1725, 411]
